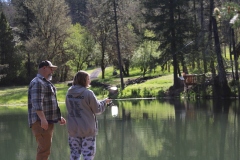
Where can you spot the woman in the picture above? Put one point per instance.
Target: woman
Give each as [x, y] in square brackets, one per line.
[82, 106]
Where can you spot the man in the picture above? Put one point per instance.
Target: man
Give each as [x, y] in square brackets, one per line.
[43, 109]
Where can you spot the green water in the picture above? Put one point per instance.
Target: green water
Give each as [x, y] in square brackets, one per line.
[142, 130]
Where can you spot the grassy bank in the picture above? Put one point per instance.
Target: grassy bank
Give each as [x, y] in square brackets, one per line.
[150, 88]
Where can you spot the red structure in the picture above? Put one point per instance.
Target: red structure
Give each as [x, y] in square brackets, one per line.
[192, 80]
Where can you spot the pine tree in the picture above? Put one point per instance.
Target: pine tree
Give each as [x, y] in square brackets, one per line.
[6, 47]
[6, 40]
[23, 19]
[171, 23]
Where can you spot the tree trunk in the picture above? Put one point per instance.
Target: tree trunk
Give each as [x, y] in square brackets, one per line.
[224, 88]
[102, 59]
[173, 47]
[204, 48]
[118, 45]
[235, 61]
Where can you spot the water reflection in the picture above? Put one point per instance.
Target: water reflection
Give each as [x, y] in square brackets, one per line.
[142, 129]
[114, 110]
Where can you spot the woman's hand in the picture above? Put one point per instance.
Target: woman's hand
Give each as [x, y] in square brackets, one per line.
[62, 121]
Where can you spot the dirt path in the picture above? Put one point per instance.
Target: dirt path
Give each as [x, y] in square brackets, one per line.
[95, 73]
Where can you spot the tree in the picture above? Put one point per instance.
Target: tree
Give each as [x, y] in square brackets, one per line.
[146, 55]
[7, 8]
[79, 46]
[23, 19]
[7, 53]
[229, 14]
[224, 88]
[125, 36]
[170, 22]
[101, 26]
[78, 11]
[48, 31]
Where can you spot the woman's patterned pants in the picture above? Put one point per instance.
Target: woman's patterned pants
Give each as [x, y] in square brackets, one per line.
[85, 146]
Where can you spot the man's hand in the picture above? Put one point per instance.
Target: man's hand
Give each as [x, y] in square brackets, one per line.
[62, 121]
[44, 124]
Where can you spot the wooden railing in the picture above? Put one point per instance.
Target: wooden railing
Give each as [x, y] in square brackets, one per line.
[192, 79]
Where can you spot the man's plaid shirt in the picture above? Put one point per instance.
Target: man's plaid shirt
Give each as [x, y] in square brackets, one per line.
[42, 97]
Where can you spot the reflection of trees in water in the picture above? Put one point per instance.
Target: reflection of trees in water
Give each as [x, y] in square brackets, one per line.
[135, 102]
[156, 129]
[200, 130]
[128, 137]
[14, 129]
[125, 114]
[221, 110]
[220, 106]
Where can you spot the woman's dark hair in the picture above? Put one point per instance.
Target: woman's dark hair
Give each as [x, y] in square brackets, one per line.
[81, 78]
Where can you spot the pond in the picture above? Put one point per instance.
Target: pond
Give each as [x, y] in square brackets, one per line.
[141, 130]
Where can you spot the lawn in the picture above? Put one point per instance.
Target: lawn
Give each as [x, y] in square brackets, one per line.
[17, 95]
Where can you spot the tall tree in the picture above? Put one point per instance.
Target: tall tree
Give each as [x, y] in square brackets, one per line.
[7, 54]
[125, 16]
[146, 56]
[79, 46]
[6, 38]
[8, 10]
[23, 18]
[78, 11]
[101, 26]
[229, 13]
[48, 31]
[170, 22]
[221, 84]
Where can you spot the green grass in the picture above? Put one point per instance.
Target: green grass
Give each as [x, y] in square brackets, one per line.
[151, 88]
[13, 95]
[18, 95]
[61, 91]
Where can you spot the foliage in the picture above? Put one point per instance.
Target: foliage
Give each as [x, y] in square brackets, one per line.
[6, 38]
[8, 54]
[48, 33]
[18, 95]
[170, 32]
[79, 47]
[103, 25]
[49, 28]
[146, 55]
[229, 12]
[150, 88]
[180, 34]
[78, 11]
